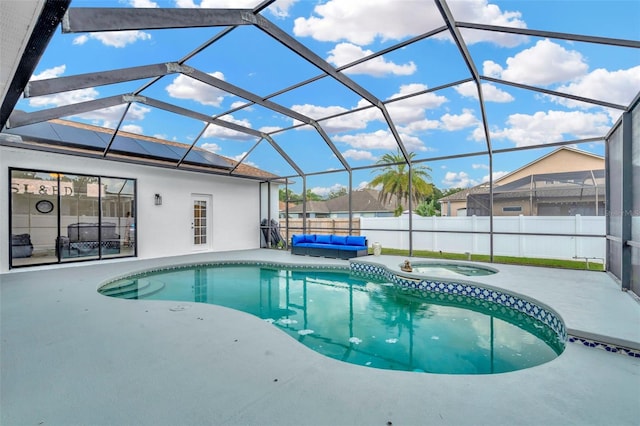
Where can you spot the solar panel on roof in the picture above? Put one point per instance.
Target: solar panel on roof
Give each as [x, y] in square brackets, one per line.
[207, 158]
[37, 131]
[128, 145]
[158, 149]
[179, 150]
[78, 136]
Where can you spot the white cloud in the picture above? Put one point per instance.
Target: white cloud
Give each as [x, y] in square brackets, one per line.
[113, 38]
[49, 73]
[381, 139]
[184, 87]
[480, 166]
[80, 40]
[491, 69]
[238, 104]
[269, 129]
[216, 131]
[324, 191]
[363, 21]
[490, 93]
[362, 185]
[458, 180]
[545, 63]
[345, 53]
[355, 154]
[420, 126]
[452, 122]
[280, 9]
[316, 112]
[109, 117]
[612, 86]
[63, 98]
[211, 147]
[552, 126]
[133, 128]
[246, 161]
[496, 176]
[348, 122]
[143, 3]
[411, 109]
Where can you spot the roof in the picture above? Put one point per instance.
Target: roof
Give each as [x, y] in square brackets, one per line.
[347, 81]
[73, 137]
[484, 187]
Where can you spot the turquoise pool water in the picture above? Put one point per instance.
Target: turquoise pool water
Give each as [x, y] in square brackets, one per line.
[452, 270]
[361, 321]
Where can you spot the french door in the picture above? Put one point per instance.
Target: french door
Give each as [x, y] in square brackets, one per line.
[201, 221]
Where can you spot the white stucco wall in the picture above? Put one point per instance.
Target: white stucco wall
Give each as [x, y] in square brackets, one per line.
[162, 230]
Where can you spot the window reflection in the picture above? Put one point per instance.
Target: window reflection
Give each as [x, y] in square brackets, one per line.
[60, 217]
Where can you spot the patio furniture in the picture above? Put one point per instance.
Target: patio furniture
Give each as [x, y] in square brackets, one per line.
[89, 239]
[21, 245]
[335, 246]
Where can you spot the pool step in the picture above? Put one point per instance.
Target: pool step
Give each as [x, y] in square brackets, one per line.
[133, 289]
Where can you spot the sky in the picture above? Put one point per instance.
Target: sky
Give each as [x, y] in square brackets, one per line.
[432, 125]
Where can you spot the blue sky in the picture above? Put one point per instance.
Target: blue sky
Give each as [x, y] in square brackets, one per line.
[435, 124]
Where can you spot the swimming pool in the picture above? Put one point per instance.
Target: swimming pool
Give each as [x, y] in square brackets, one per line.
[362, 320]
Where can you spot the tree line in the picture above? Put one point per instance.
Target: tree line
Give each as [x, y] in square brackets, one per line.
[392, 180]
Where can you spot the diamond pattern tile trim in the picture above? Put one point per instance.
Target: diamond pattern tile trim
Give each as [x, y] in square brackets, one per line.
[527, 307]
[605, 346]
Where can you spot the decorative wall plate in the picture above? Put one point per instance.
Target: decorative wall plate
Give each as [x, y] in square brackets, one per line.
[44, 206]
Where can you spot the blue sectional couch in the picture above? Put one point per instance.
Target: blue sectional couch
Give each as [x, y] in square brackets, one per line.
[336, 246]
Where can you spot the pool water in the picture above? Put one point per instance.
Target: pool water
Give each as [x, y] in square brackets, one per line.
[451, 269]
[362, 322]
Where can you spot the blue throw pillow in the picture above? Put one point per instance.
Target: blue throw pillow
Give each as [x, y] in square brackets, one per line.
[323, 239]
[355, 240]
[309, 238]
[339, 239]
[295, 239]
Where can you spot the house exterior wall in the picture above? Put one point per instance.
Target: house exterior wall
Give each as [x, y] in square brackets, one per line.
[161, 230]
[560, 161]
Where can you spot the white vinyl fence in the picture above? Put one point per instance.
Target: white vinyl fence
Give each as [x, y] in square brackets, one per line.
[393, 232]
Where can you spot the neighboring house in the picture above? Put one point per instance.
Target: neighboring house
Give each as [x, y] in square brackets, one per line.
[364, 203]
[564, 182]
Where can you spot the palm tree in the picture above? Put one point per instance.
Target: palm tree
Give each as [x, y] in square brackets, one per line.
[394, 180]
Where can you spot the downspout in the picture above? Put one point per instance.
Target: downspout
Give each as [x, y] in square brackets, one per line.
[410, 209]
[350, 206]
[304, 204]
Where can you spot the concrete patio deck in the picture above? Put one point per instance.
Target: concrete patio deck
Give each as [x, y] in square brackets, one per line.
[70, 356]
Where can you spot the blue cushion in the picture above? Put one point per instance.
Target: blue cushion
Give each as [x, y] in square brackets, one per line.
[356, 240]
[307, 238]
[351, 248]
[339, 239]
[296, 239]
[324, 246]
[323, 239]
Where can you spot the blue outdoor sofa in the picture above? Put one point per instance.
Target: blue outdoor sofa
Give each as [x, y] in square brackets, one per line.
[335, 246]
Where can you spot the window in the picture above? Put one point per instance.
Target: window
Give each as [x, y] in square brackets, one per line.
[512, 209]
[60, 217]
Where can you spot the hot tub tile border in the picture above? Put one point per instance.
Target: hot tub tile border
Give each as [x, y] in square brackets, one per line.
[525, 306]
[544, 315]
